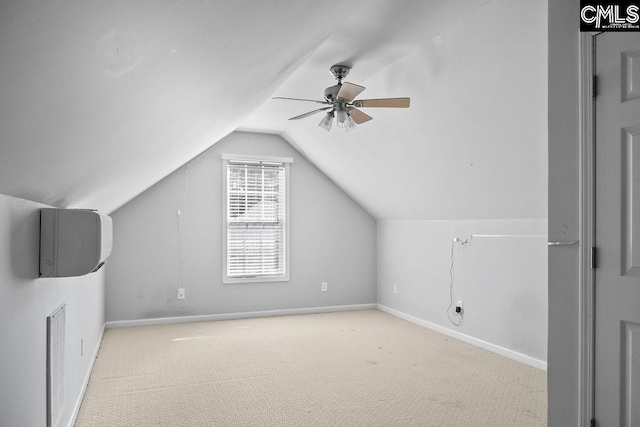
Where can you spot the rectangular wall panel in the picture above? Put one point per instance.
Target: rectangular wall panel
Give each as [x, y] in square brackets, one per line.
[55, 366]
[631, 373]
[631, 201]
[630, 75]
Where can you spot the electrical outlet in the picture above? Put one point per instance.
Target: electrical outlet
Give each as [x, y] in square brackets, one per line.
[395, 289]
[181, 293]
[325, 286]
[459, 307]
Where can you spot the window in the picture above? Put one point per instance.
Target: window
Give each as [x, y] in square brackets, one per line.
[256, 219]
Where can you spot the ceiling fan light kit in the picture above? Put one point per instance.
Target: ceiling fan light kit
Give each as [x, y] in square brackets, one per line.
[341, 103]
[344, 121]
[327, 121]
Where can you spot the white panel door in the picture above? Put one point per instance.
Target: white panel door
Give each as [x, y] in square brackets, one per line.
[617, 276]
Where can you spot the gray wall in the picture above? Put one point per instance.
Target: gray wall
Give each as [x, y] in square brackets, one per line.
[332, 240]
[501, 280]
[27, 301]
[563, 212]
[497, 185]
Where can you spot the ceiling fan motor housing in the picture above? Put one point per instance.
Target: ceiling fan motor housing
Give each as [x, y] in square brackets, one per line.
[331, 93]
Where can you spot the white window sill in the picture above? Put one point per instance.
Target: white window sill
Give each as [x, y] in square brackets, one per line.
[234, 280]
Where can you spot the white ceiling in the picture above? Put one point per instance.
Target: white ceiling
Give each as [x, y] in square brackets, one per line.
[100, 100]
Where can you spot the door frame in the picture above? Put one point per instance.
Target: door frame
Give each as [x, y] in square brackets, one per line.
[587, 223]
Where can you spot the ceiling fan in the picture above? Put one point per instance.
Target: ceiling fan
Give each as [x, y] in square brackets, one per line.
[341, 103]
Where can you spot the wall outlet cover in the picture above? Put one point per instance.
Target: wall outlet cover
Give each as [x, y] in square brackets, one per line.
[181, 293]
[325, 286]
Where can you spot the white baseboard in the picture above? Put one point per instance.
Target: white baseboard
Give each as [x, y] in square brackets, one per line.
[231, 316]
[76, 408]
[519, 357]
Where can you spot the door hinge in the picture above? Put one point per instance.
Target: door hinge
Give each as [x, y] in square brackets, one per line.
[594, 86]
[593, 257]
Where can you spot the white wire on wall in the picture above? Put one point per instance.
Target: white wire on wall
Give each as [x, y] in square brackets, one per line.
[542, 236]
[458, 318]
[185, 304]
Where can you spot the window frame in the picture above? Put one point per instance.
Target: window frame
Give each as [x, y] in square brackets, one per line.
[286, 161]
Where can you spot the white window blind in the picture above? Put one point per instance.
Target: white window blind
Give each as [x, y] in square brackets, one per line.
[256, 219]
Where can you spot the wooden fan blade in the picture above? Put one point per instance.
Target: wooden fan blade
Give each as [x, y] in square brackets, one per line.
[358, 116]
[383, 102]
[301, 99]
[310, 113]
[349, 91]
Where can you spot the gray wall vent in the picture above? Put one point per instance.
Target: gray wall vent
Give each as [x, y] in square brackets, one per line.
[55, 366]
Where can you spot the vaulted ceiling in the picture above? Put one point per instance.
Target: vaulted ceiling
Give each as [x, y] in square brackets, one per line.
[100, 100]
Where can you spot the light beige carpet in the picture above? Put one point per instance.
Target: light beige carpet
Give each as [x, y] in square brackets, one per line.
[362, 368]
